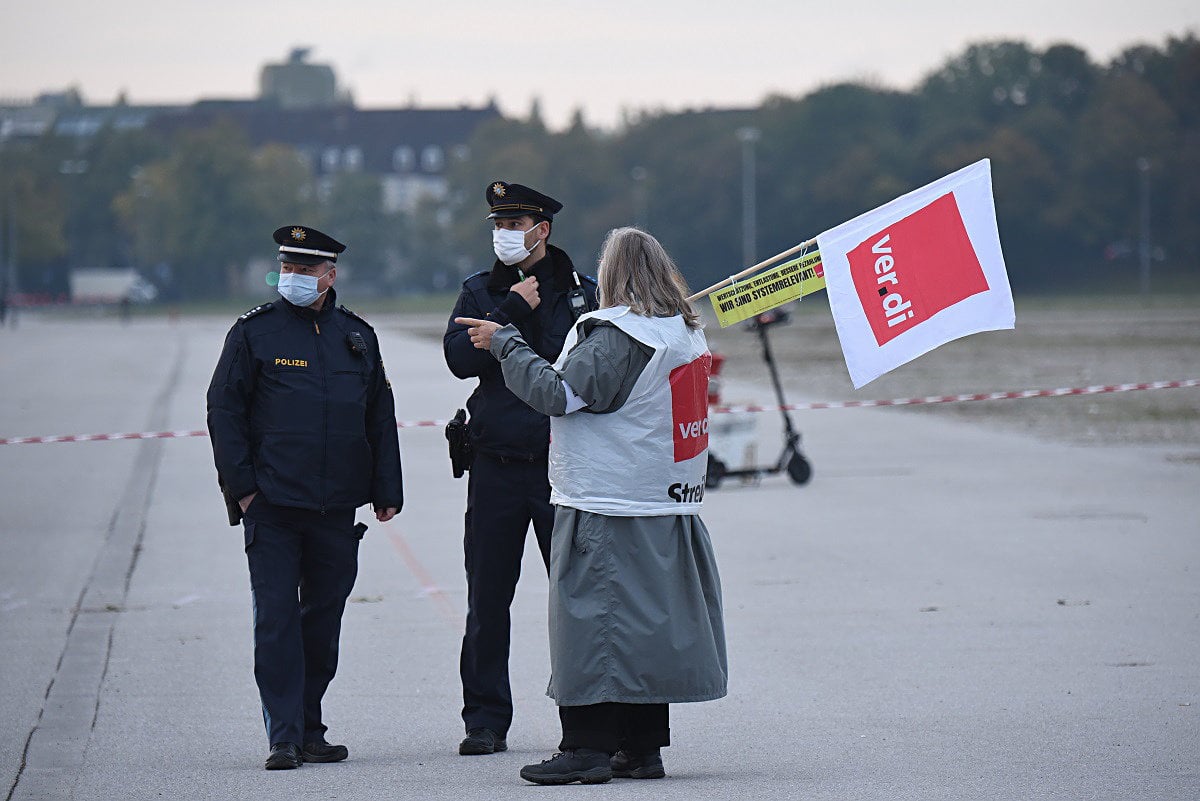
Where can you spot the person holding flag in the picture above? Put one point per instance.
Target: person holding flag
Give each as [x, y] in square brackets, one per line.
[635, 611]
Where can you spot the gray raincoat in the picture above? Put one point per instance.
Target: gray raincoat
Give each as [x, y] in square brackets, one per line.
[635, 602]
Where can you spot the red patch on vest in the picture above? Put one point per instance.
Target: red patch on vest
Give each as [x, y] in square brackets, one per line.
[689, 407]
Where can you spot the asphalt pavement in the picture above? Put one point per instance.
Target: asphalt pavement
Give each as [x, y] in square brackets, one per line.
[945, 612]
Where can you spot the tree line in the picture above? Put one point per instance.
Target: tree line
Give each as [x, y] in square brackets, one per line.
[1079, 151]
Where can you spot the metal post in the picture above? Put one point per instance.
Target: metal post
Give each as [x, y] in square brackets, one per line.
[748, 137]
[77, 168]
[638, 174]
[12, 241]
[5, 210]
[1143, 165]
[9, 288]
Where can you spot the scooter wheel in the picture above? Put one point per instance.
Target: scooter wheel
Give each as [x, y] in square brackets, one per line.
[716, 472]
[799, 469]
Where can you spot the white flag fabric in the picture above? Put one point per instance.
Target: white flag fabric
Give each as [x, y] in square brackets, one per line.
[916, 273]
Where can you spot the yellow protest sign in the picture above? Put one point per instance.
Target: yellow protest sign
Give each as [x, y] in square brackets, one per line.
[771, 288]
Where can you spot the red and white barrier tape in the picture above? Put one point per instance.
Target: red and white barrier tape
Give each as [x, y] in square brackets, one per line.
[791, 407]
[1027, 393]
[164, 434]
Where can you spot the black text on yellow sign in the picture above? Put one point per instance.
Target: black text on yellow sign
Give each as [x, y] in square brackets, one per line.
[774, 287]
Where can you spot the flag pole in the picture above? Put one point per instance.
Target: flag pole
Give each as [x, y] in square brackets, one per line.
[751, 270]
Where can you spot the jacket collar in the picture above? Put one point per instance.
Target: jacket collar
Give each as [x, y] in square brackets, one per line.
[556, 265]
[307, 314]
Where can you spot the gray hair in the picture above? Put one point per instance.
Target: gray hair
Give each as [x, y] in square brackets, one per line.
[635, 271]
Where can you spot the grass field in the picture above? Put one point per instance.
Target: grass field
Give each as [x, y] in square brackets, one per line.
[1064, 341]
[1058, 342]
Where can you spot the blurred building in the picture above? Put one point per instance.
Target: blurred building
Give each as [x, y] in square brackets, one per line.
[298, 84]
[64, 114]
[300, 105]
[409, 149]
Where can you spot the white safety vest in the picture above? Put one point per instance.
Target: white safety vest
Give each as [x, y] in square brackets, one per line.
[650, 456]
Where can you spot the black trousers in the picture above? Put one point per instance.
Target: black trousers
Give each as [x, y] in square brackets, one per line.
[302, 568]
[503, 498]
[612, 727]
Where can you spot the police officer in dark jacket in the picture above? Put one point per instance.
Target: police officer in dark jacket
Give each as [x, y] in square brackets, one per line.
[303, 429]
[534, 286]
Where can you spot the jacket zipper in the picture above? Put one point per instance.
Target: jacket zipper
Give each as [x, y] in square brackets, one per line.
[324, 413]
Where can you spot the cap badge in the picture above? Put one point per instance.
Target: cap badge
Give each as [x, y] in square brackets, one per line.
[298, 234]
[498, 189]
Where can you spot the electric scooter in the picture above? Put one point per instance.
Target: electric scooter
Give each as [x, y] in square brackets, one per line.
[790, 458]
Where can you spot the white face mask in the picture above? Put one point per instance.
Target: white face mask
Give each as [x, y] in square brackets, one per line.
[299, 289]
[510, 245]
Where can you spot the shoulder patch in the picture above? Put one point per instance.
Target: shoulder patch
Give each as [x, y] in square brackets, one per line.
[355, 315]
[257, 310]
[475, 275]
[589, 279]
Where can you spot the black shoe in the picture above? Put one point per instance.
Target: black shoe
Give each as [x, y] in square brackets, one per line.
[283, 756]
[573, 765]
[482, 741]
[321, 751]
[632, 765]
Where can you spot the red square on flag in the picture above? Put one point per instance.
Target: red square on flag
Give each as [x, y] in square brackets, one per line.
[689, 407]
[914, 268]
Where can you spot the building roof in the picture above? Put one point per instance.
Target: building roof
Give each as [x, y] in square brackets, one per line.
[376, 132]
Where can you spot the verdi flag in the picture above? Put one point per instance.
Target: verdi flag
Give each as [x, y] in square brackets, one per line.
[916, 273]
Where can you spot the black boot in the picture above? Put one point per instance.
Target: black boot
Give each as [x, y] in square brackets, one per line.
[637, 765]
[482, 741]
[321, 751]
[584, 765]
[284, 756]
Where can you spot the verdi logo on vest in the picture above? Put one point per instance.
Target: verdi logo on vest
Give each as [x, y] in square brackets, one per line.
[901, 281]
[689, 407]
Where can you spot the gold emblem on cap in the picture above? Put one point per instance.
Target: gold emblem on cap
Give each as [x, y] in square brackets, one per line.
[498, 189]
[298, 234]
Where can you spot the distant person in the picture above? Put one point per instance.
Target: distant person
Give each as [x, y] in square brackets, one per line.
[303, 430]
[635, 597]
[8, 305]
[534, 287]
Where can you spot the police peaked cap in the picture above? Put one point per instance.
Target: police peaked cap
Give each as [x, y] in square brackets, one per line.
[299, 244]
[515, 200]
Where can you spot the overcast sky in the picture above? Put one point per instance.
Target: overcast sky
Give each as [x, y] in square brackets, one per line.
[599, 56]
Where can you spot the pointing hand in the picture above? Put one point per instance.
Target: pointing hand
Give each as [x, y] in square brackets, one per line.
[481, 331]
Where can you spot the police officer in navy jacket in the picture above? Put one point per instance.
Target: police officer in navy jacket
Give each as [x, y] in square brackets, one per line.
[534, 286]
[303, 429]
